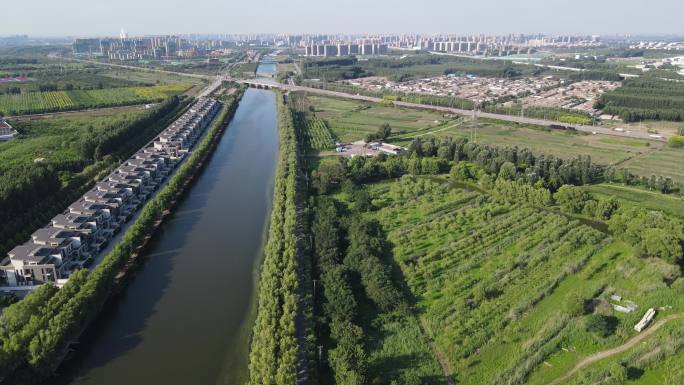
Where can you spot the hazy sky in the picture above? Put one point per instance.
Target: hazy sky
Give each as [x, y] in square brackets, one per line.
[138, 17]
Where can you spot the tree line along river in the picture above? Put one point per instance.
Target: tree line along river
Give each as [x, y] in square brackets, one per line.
[186, 315]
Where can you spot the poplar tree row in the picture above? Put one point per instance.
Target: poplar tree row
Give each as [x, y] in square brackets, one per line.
[274, 350]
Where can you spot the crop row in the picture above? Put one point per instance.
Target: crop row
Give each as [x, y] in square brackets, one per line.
[318, 134]
[477, 266]
[54, 101]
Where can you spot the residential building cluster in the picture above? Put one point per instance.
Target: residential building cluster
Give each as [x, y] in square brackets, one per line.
[363, 48]
[661, 45]
[151, 47]
[125, 47]
[579, 95]
[548, 91]
[315, 45]
[477, 89]
[76, 236]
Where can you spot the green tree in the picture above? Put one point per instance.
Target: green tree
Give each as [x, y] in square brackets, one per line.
[601, 325]
[508, 171]
[606, 208]
[461, 171]
[661, 244]
[571, 199]
[574, 304]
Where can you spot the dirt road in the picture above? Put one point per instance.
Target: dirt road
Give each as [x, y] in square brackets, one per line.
[617, 350]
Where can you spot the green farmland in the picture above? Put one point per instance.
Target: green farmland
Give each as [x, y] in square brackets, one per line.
[352, 120]
[666, 161]
[318, 135]
[497, 285]
[53, 101]
[641, 197]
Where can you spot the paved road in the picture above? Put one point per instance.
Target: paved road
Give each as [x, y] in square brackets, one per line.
[617, 350]
[510, 118]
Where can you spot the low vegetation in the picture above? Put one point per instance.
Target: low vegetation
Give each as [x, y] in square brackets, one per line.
[318, 135]
[53, 101]
[503, 275]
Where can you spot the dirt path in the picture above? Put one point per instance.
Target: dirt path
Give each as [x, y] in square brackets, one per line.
[441, 358]
[617, 350]
[81, 112]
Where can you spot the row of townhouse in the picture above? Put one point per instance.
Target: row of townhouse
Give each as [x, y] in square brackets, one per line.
[79, 233]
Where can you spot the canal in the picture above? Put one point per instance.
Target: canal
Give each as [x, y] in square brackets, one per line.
[186, 315]
[267, 67]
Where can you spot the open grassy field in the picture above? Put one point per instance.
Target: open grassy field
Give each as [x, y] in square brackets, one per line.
[352, 120]
[150, 77]
[56, 139]
[51, 101]
[661, 127]
[603, 149]
[44, 73]
[286, 67]
[666, 161]
[505, 291]
[641, 197]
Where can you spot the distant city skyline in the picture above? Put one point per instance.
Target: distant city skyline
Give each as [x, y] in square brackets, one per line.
[105, 18]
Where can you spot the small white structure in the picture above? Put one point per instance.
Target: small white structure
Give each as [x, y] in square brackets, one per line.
[648, 317]
[621, 309]
[386, 148]
[6, 131]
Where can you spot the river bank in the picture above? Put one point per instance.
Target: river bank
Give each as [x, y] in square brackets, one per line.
[72, 309]
[185, 314]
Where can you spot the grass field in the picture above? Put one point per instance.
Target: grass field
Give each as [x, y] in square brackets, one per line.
[286, 67]
[640, 197]
[667, 161]
[497, 285]
[55, 139]
[603, 149]
[352, 120]
[39, 102]
[151, 77]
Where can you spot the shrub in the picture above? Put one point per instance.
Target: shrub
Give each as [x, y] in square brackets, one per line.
[676, 141]
[601, 325]
[575, 304]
